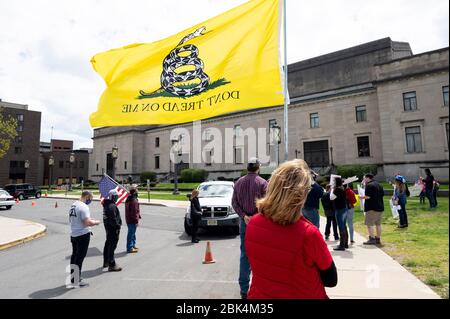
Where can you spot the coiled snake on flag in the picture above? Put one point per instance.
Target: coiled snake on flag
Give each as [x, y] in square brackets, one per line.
[174, 61]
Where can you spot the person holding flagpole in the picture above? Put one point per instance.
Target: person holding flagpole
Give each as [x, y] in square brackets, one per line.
[113, 223]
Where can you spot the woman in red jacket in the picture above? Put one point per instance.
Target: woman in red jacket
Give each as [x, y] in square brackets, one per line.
[132, 216]
[288, 255]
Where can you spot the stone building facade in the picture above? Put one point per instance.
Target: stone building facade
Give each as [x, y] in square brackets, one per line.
[376, 103]
[24, 148]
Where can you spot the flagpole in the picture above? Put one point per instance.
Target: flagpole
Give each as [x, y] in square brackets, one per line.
[286, 89]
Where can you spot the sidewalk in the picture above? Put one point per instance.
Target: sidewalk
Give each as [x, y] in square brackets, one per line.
[366, 272]
[16, 231]
[153, 202]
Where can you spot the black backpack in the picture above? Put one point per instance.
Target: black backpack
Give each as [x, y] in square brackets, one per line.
[407, 190]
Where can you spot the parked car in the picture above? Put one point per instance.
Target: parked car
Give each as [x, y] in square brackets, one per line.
[6, 200]
[215, 201]
[22, 191]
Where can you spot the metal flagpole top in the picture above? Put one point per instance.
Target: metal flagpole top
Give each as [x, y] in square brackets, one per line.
[286, 88]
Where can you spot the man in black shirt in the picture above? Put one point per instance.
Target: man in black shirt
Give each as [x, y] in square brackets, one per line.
[373, 208]
[429, 188]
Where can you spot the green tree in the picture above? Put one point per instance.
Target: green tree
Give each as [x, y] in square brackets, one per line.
[8, 132]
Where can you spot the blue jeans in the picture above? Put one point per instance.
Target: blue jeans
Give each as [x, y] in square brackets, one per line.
[341, 218]
[403, 216]
[131, 237]
[430, 196]
[350, 214]
[312, 215]
[244, 265]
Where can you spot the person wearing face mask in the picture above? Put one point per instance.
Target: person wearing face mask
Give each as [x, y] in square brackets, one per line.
[80, 222]
[112, 222]
[132, 216]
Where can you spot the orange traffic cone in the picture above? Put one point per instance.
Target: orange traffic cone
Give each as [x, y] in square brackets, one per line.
[56, 204]
[33, 203]
[45, 195]
[208, 255]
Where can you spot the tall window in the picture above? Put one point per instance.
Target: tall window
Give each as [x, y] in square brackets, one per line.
[19, 139]
[61, 164]
[157, 162]
[82, 164]
[363, 146]
[237, 131]
[413, 140]
[96, 167]
[18, 150]
[447, 132]
[238, 155]
[445, 95]
[314, 120]
[361, 113]
[19, 122]
[125, 164]
[157, 142]
[410, 101]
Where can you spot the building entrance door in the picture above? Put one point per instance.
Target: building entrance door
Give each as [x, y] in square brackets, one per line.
[109, 164]
[317, 154]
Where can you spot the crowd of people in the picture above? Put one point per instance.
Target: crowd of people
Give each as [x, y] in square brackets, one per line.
[81, 222]
[281, 248]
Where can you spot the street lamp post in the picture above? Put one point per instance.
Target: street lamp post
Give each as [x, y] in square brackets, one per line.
[71, 161]
[26, 166]
[51, 162]
[114, 155]
[276, 131]
[176, 144]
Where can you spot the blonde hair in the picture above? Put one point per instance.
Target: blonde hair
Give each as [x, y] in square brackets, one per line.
[286, 194]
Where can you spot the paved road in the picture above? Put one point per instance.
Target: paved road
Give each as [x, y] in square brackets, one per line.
[167, 266]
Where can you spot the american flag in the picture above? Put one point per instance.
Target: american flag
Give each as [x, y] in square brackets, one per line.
[106, 184]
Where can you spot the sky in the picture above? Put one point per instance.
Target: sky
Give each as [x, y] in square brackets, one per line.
[46, 45]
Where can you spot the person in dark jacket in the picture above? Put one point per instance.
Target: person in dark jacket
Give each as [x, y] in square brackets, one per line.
[429, 187]
[339, 197]
[311, 209]
[196, 215]
[373, 208]
[132, 216]
[112, 222]
[329, 211]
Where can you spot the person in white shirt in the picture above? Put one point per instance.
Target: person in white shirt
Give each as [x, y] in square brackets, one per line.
[80, 225]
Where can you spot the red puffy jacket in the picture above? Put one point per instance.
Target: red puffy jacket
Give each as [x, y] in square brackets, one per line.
[285, 260]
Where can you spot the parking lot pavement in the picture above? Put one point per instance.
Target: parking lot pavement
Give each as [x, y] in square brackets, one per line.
[167, 266]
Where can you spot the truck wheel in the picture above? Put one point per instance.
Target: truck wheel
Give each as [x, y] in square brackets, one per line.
[8, 207]
[38, 195]
[236, 230]
[187, 228]
[21, 197]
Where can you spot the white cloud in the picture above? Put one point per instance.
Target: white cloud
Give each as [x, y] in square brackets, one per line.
[46, 45]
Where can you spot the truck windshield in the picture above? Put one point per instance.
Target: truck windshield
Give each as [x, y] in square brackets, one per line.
[215, 190]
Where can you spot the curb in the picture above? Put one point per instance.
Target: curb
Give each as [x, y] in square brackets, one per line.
[24, 240]
[97, 200]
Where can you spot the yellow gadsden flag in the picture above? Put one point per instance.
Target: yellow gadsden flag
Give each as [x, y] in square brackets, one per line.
[227, 64]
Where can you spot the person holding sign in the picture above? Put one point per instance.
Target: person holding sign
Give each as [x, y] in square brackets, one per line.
[400, 198]
[339, 197]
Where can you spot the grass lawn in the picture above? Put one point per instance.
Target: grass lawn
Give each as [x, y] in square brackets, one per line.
[423, 247]
[386, 185]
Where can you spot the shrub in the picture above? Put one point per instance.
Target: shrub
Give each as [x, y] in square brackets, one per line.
[194, 175]
[148, 175]
[356, 170]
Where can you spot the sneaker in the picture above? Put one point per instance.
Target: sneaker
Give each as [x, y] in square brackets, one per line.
[72, 286]
[132, 251]
[136, 248]
[327, 237]
[114, 268]
[339, 248]
[105, 265]
[83, 283]
[195, 241]
[377, 241]
[352, 242]
[336, 238]
[371, 241]
[244, 295]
